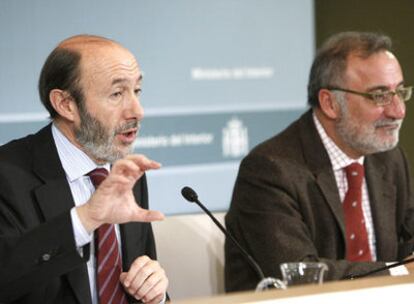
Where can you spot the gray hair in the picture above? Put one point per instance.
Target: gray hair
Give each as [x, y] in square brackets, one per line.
[330, 63]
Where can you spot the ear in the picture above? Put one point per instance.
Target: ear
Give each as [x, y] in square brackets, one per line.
[64, 104]
[328, 104]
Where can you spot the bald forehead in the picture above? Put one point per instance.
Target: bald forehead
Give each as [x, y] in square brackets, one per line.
[104, 64]
[100, 54]
[80, 42]
[87, 45]
[107, 57]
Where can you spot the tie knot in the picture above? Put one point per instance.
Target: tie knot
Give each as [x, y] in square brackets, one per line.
[97, 176]
[354, 174]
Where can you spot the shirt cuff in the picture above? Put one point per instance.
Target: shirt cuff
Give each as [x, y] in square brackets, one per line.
[82, 237]
[398, 271]
[163, 299]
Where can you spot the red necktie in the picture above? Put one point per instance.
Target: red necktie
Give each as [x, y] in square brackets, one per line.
[357, 247]
[108, 259]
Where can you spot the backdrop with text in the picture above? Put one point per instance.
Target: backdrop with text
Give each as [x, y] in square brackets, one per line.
[219, 77]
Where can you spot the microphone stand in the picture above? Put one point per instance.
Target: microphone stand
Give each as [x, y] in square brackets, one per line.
[265, 283]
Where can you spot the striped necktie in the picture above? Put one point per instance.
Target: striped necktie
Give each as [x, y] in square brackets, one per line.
[108, 259]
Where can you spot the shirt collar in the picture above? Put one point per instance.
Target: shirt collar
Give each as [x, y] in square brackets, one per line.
[74, 161]
[339, 159]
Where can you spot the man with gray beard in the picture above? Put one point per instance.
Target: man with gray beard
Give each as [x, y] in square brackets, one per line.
[332, 187]
[74, 224]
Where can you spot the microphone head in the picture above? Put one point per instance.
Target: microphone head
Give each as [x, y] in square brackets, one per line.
[189, 194]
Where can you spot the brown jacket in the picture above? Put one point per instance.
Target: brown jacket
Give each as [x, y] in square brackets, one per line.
[286, 207]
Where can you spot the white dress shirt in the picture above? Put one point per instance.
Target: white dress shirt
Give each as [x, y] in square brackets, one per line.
[77, 165]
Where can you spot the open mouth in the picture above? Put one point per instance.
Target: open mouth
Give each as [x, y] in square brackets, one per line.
[128, 136]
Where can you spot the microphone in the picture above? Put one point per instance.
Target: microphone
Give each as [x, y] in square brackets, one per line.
[190, 195]
[366, 274]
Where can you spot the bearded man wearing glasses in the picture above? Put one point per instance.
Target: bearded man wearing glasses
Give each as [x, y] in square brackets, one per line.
[332, 187]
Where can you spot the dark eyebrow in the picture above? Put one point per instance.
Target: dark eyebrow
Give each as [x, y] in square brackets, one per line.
[140, 78]
[383, 88]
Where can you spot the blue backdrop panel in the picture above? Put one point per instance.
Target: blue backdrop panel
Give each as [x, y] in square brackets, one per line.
[219, 77]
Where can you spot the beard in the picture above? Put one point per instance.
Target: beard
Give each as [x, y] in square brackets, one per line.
[363, 137]
[99, 141]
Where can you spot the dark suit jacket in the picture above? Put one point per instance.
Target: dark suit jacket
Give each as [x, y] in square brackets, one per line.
[286, 207]
[39, 262]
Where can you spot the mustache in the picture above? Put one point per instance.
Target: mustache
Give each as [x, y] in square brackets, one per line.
[388, 122]
[132, 124]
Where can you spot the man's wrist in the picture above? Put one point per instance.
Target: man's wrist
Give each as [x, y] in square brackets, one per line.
[86, 220]
[82, 236]
[163, 299]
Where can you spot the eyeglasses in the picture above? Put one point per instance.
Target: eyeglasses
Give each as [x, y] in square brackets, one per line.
[381, 98]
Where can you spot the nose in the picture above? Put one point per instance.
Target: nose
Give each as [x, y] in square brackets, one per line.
[133, 108]
[396, 109]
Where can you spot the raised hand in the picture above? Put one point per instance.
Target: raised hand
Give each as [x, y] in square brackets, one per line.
[114, 202]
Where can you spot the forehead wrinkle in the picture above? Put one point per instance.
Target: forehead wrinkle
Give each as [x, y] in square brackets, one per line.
[113, 67]
[124, 80]
[113, 62]
[123, 74]
[385, 88]
[378, 71]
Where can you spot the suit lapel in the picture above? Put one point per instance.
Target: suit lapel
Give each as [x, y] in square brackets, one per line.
[54, 197]
[327, 184]
[382, 195]
[132, 245]
[319, 163]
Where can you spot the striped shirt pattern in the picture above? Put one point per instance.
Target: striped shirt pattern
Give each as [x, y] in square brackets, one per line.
[77, 165]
